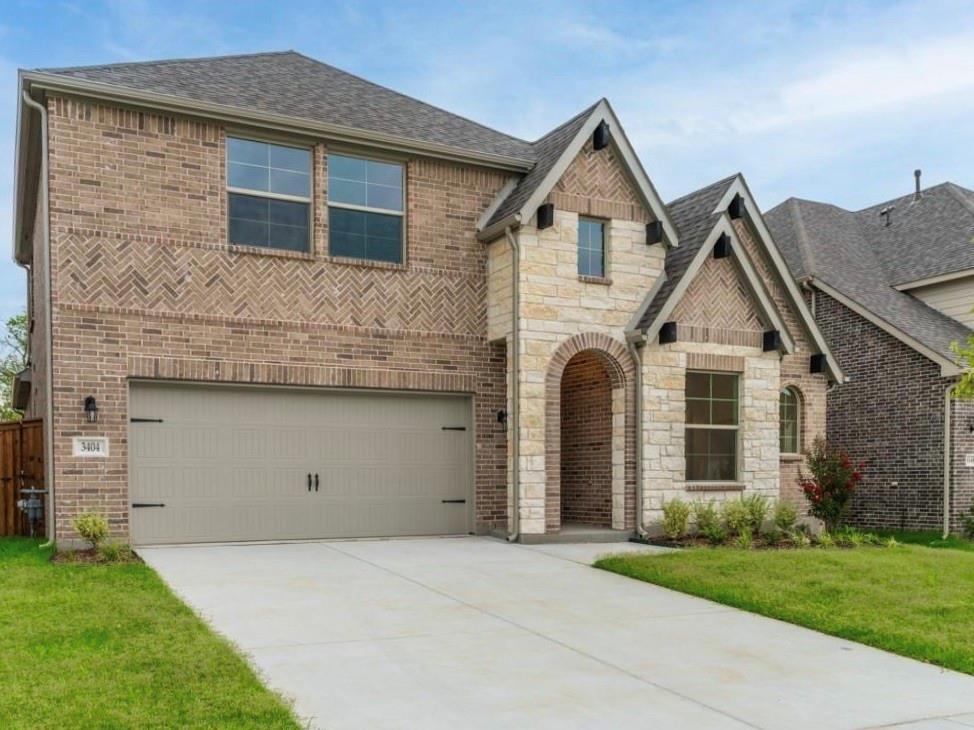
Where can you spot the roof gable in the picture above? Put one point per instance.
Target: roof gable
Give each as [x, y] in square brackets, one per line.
[555, 153]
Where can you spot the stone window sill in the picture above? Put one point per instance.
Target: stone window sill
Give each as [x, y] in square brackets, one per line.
[716, 487]
[365, 263]
[604, 281]
[790, 457]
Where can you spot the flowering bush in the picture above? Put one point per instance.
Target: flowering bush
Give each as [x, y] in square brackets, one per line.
[833, 479]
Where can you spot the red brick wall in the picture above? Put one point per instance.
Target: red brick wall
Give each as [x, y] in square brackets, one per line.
[586, 442]
[146, 285]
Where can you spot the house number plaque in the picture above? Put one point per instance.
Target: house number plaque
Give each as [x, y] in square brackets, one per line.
[92, 447]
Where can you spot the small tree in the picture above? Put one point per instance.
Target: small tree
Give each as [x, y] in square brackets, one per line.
[831, 484]
[13, 359]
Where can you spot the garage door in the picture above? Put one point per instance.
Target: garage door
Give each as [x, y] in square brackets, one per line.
[214, 463]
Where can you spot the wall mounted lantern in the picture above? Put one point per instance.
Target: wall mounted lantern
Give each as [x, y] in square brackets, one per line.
[91, 409]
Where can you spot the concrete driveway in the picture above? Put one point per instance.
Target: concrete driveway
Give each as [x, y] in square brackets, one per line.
[475, 633]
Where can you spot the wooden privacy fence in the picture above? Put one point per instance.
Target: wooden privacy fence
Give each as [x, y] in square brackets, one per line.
[21, 467]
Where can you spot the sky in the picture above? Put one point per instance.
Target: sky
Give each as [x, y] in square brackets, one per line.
[831, 101]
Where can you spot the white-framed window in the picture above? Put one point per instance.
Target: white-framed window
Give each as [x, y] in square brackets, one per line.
[789, 424]
[365, 208]
[712, 423]
[268, 194]
[591, 247]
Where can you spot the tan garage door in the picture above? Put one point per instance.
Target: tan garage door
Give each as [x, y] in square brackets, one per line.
[215, 463]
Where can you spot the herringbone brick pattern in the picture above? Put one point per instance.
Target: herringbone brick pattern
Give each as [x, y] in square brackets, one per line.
[719, 298]
[596, 184]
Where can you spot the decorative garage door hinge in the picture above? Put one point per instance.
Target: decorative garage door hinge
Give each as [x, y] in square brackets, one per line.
[145, 420]
[454, 428]
[136, 505]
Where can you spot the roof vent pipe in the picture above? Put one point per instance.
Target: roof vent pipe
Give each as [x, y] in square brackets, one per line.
[886, 214]
[916, 193]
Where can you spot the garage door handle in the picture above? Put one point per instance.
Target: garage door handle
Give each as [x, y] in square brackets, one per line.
[316, 482]
[453, 501]
[309, 481]
[136, 505]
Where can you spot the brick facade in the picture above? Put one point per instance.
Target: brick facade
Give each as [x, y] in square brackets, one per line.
[586, 442]
[891, 415]
[146, 286]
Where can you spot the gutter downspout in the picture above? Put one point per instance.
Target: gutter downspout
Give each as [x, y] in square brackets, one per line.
[515, 416]
[948, 393]
[48, 323]
[633, 340]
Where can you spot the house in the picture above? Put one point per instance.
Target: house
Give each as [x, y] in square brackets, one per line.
[892, 287]
[272, 300]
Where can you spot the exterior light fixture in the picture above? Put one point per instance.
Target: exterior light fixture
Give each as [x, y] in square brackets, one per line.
[91, 409]
[502, 418]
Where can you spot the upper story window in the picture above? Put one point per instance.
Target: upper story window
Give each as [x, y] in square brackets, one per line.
[269, 194]
[591, 247]
[365, 209]
[711, 426]
[789, 421]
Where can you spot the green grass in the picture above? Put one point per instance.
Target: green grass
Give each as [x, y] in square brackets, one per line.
[930, 539]
[108, 646]
[909, 599]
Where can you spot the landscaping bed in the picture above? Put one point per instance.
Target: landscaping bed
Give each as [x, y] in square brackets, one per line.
[108, 645]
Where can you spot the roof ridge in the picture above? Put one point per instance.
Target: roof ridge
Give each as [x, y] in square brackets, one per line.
[696, 192]
[804, 244]
[411, 98]
[588, 110]
[954, 190]
[167, 61]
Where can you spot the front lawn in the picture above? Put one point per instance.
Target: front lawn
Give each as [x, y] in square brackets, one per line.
[109, 646]
[908, 599]
[930, 539]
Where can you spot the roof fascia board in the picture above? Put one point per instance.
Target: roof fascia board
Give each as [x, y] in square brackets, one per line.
[223, 112]
[680, 289]
[948, 368]
[930, 281]
[496, 202]
[493, 231]
[784, 273]
[20, 213]
[603, 112]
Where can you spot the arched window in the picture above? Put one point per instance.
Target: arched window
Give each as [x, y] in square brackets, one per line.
[790, 421]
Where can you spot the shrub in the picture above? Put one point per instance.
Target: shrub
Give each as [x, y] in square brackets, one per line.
[705, 516]
[115, 552]
[825, 540]
[676, 514]
[967, 524]
[800, 538]
[757, 507]
[744, 539]
[92, 527]
[891, 542]
[715, 534]
[833, 480]
[772, 535]
[785, 516]
[735, 515]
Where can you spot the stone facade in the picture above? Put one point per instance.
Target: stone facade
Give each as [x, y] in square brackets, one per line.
[146, 286]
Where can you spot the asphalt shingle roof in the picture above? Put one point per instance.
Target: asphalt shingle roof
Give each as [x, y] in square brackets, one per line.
[694, 218]
[861, 257]
[295, 85]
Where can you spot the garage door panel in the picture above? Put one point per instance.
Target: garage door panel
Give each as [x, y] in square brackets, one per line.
[232, 463]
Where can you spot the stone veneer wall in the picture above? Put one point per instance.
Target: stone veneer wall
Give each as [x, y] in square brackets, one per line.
[147, 286]
[586, 442]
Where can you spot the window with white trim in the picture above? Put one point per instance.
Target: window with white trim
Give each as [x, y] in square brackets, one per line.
[591, 247]
[789, 412]
[365, 208]
[268, 195]
[712, 423]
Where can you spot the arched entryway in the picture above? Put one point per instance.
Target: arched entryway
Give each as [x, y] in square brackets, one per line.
[586, 442]
[590, 434]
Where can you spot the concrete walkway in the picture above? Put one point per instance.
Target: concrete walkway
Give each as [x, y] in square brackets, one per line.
[475, 633]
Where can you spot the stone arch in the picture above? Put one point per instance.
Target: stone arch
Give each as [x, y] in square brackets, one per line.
[619, 365]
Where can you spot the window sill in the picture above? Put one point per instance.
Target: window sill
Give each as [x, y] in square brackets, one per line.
[595, 280]
[790, 457]
[715, 487]
[366, 263]
[279, 252]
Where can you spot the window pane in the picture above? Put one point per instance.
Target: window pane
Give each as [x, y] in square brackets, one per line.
[698, 385]
[346, 221]
[384, 173]
[364, 235]
[342, 243]
[723, 442]
[288, 238]
[788, 412]
[248, 176]
[381, 196]
[246, 150]
[698, 411]
[344, 191]
[711, 455]
[285, 182]
[287, 213]
[724, 386]
[249, 207]
[247, 233]
[346, 168]
[290, 158]
[696, 467]
[724, 412]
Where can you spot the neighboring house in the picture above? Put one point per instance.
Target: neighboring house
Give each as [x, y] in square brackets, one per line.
[307, 306]
[892, 286]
